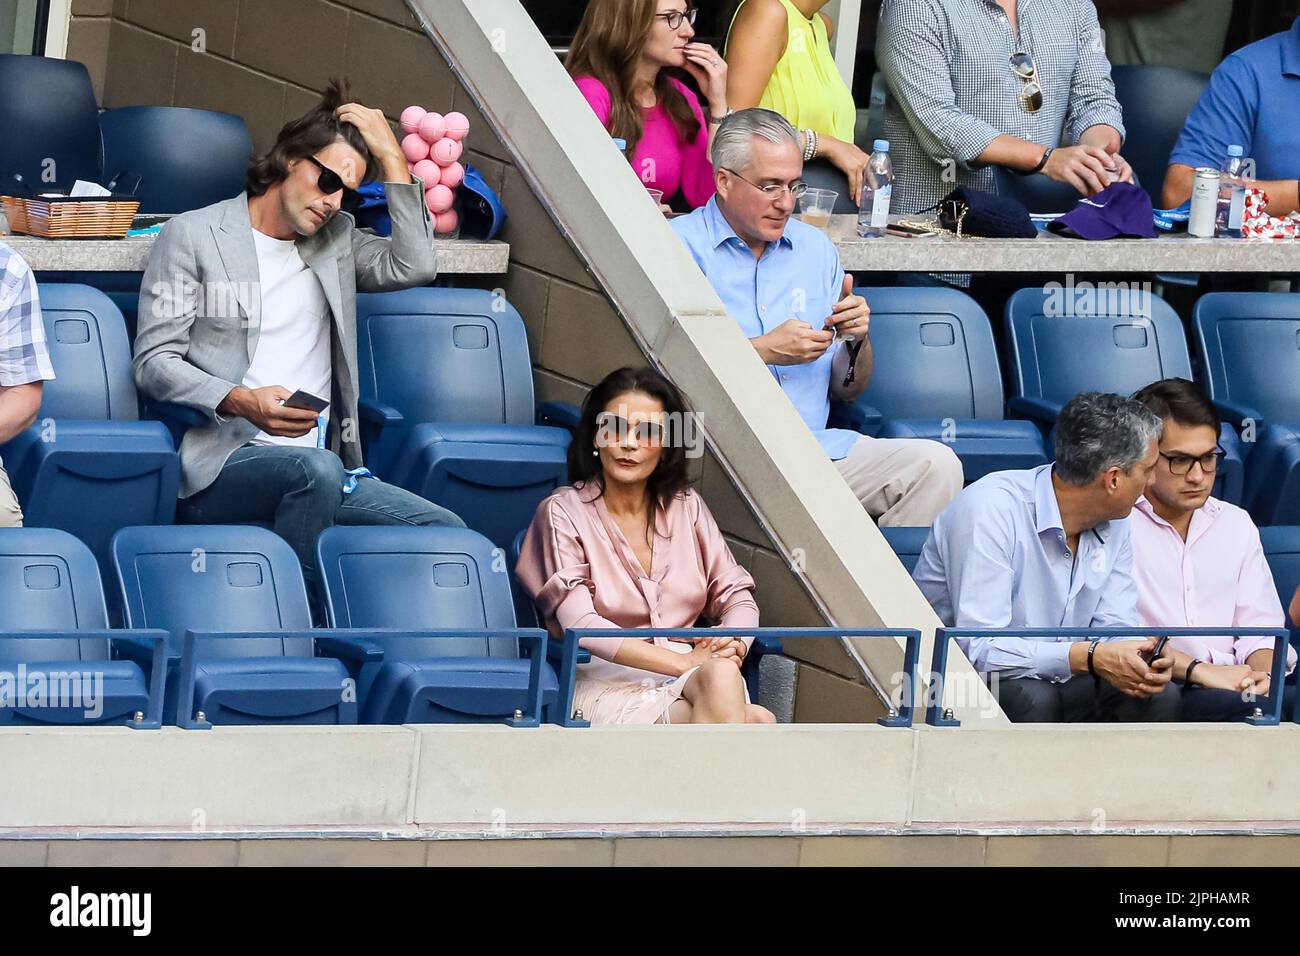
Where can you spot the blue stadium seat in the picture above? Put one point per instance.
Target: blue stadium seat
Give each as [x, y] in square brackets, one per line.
[1156, 101]
[907, 544]
[53, 621]
[187, 158]
[51, 136]
[454, 655]
[1282, 548]
[1058, 354]
[936, 376]
[1250, 346]
[447, 406]
[233, 603]
[89, 465]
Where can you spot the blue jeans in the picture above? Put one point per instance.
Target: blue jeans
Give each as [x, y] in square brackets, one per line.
[299, 492]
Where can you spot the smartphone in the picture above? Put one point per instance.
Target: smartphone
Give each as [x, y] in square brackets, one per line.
[306, 400]
[1154, 655]
[908, 232]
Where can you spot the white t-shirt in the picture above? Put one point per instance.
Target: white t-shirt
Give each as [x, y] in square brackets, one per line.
[293, 348]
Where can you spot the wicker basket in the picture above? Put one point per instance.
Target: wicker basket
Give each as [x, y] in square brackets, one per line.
[70, 218]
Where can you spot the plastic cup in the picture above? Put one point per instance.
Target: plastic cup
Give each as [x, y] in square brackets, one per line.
[657, 195]
[815, 207]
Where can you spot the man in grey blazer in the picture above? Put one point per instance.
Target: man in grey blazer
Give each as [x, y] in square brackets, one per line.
[250, 300]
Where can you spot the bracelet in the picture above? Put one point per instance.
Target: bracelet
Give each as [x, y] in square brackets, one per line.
[1042, 163]
[1092, 649]
[715, 120]
[809, 144]
[1187, 678]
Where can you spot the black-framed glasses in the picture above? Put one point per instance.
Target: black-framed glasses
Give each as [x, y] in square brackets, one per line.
[674, 18]
[1031, 89]
[330, 182]
[1180, 465]
[772, 191]
[612, 429]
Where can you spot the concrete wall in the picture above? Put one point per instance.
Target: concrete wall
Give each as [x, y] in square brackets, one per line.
[266, 60]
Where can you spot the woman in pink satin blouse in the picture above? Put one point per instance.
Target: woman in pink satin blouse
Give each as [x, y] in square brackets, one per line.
[628, 544]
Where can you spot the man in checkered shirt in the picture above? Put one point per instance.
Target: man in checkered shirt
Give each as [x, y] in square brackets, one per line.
[24, 364]
[981, 83]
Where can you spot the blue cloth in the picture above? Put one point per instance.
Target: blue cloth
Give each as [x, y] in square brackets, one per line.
[1253, 100]
[798, 277]
[997, 557]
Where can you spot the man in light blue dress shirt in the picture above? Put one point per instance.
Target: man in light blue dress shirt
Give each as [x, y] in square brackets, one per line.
[781, 280]
[1050, 547]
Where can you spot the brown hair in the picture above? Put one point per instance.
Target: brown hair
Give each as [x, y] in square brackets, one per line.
[307, 136]
[1181, 400]
[607, 46]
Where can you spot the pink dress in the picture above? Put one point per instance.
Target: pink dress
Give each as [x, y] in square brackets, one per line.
[661, 159]
[582, 573]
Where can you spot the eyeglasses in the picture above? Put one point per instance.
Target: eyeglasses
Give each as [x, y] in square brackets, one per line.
[674, 18]
[1180, 465]
[773, 191]
[612, 429]
[330, 182]
[1031, 90]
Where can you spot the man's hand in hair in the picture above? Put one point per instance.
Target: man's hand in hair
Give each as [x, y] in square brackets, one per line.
[383, 145]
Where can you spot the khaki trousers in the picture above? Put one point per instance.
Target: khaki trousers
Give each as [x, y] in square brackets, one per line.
[902, 481]
[11, 516]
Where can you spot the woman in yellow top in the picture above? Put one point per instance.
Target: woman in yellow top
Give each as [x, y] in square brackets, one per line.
[778, 56]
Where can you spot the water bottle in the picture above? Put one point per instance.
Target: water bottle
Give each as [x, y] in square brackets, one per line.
[1232, 195]
[877, 190]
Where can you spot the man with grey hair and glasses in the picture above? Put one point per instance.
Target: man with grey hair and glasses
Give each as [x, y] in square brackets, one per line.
[782, 281]
[1050, 547]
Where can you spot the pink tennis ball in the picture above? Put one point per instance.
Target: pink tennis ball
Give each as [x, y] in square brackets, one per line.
[439, 199]
[446, 222]
[411, 117]
[457, 125]
[432, 127]
[446, 151]
[414, 148]
[430, 173]
[453, 175]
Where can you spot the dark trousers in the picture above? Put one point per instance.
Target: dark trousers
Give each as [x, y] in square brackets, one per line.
[299, 491]
[1206, 703]
[1081, 700]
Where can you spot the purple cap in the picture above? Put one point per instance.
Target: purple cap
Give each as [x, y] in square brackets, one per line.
[1121, 209]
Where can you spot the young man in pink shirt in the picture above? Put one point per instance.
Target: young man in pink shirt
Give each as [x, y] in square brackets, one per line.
[1198, 562]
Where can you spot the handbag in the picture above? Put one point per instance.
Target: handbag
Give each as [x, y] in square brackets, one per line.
[972, 212]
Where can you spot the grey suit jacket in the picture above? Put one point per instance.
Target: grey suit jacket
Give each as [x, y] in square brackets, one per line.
[200, 315]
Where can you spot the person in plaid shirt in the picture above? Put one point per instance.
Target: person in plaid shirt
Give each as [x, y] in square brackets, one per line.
[24, 364]
[1022, 84]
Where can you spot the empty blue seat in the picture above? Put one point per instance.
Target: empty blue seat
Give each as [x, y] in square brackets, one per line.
[447, 405]
[1282, 548]
[89, 465]
[454, 654]
[233, 603]
[1250, 346]
[1061, 349]
[51, 136]
[1156, 100]
[907, 544]
[54, 635]
[937, 376]
[186, 158]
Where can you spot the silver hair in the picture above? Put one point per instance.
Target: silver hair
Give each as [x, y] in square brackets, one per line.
[1097, 430]
[733, 143]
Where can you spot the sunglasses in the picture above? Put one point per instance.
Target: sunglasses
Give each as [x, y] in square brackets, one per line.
[611, 429]
[1031, 89]
[330, 182]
